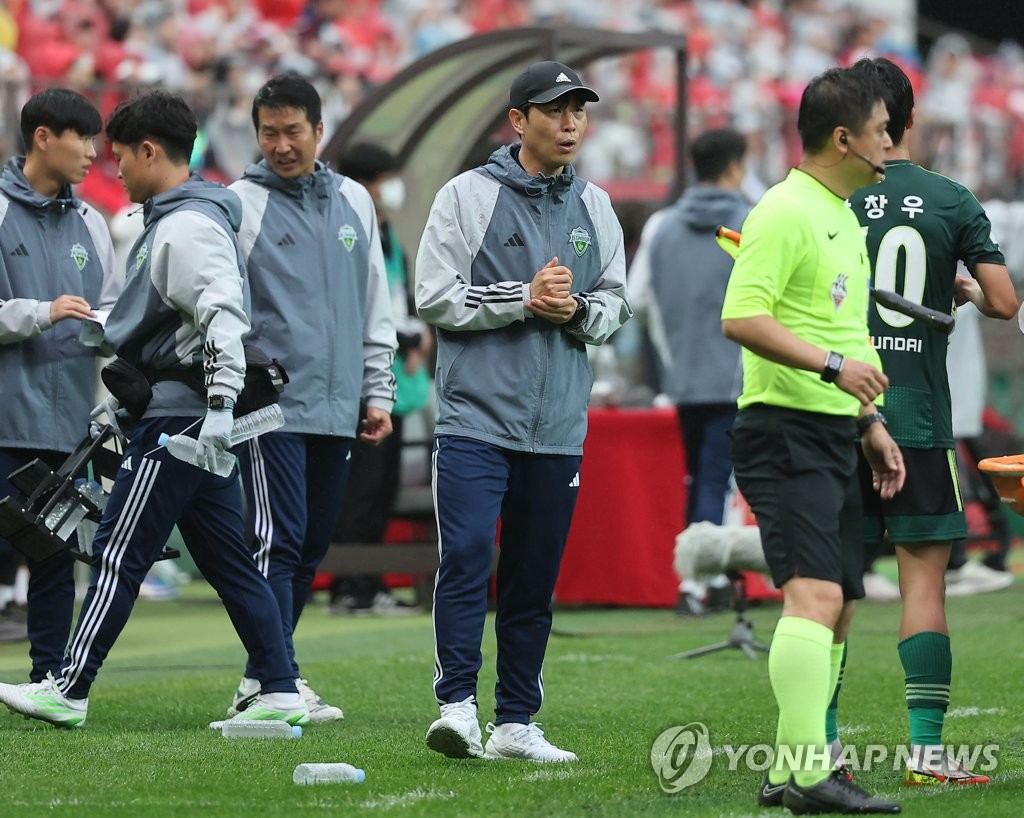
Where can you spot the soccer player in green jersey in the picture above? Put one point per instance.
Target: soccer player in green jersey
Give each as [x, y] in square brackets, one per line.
[918, 224]
[797, 302]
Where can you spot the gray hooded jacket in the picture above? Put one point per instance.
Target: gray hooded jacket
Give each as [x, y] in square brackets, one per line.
[689, 273]
[48, 247]
[319, 294]
[185, 302]
[503, 375]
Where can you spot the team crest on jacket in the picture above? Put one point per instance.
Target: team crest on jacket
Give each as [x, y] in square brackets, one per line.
[79, 255]
[347, 236]
[140, 256]
[839, 290]
[579, 238]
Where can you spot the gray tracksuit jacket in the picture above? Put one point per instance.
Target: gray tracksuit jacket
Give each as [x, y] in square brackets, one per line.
[503, 375]
[689, 273]
[320, 301]
[185, 302]
[48, 247]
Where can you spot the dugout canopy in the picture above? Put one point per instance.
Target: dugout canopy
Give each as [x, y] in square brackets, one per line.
[438, 114]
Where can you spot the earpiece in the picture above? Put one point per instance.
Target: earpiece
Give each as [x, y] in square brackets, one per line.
[842, 138]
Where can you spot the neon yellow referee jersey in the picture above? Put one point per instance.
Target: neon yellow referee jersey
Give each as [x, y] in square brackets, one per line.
[802, 261]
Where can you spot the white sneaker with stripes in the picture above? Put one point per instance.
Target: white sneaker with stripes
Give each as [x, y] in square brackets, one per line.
[523, 741]
[319, 710]
[457, 733]
[44, 701]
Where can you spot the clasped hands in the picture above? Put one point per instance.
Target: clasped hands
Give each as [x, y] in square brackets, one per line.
[551, 293]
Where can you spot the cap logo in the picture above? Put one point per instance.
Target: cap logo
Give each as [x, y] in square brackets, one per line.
[562, 78]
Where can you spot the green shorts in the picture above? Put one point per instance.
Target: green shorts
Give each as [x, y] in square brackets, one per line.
[928, 509]
[798, 472]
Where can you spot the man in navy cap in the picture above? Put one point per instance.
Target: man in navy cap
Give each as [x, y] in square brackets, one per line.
[520, 266]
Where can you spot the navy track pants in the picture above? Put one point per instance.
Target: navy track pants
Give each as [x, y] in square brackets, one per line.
[51, 583]
[152, 491]
[294, 485]
[475, 484]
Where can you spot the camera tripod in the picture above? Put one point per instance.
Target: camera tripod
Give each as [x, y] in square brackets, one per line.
[741, 636]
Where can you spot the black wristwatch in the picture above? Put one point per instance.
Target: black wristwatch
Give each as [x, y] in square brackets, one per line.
[579, 318]
[833, 366]
[219, 402]
[867, 420]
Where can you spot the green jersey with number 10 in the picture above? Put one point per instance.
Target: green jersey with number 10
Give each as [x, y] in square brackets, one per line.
[918, 224]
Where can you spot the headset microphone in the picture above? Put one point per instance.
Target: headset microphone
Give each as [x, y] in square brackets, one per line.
[880, 169]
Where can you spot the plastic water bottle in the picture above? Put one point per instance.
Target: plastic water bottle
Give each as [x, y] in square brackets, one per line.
[93, 493]
[184, 448]
[244, 428]
[256, 728]
[63, 517]
[327, 774]
[257, 423]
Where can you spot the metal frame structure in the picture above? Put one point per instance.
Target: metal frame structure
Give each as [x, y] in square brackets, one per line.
[438, 113]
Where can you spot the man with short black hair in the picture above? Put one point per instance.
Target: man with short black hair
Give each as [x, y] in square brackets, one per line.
[520, 266]
[918, 225]
[320, 305]
[183, 308]
[56, 265]
[678, 280]
[376, 470]
[797, 303]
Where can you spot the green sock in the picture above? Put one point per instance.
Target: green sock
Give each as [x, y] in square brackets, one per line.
[799, 668]
[928, 666]
[838, 669]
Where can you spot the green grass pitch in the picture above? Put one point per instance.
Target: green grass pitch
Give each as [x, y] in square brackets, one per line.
[611, 690]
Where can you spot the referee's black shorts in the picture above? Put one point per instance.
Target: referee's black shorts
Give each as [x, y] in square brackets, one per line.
[798, 472]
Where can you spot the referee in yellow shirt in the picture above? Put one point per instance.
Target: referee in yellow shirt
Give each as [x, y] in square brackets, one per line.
[797, 302]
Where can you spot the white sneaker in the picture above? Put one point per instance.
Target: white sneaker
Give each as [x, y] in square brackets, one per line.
[975, 577]
[248, 689]
[880, 588]
[156, 589]
[384, 604]
[44, 701]
[457, 733]
[319, 710]
[524, 741]
[289, 707]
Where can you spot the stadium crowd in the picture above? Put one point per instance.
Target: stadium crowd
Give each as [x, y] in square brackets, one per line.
[748, 61]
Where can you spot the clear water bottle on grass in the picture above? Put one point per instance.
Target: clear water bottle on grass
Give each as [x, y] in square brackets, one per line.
[244, 428]
[256, 728]
[328, 774]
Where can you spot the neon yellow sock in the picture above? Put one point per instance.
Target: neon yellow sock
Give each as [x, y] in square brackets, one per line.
[832, 714]
[799, 667]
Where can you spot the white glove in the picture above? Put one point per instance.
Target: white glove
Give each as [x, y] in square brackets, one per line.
[108, 406]
[214, 437]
